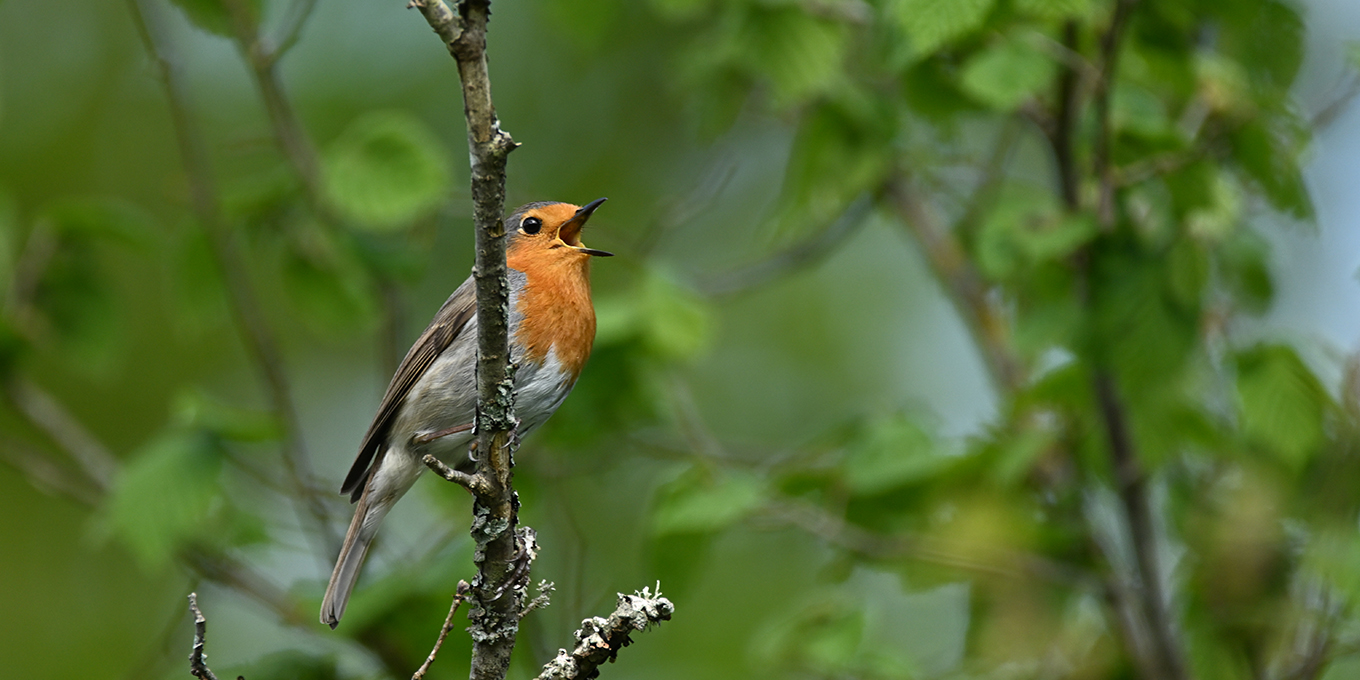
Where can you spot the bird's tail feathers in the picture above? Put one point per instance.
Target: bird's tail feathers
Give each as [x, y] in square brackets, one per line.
[362, 529]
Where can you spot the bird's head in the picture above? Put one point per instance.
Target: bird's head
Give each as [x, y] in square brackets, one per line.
[550, 227]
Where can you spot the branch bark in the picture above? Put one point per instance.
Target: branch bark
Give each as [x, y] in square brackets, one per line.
[599, 640]
[503, 552]
[197, 666]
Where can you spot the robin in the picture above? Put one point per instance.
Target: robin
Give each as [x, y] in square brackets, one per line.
[430, 403]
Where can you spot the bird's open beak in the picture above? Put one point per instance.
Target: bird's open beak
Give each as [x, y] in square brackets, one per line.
[570, 233]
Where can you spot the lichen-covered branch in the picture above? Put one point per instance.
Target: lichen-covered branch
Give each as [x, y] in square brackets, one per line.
[197, 666]
[599, 640]
[502, 554]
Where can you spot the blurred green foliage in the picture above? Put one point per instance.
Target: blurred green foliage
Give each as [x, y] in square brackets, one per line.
[1160, 489]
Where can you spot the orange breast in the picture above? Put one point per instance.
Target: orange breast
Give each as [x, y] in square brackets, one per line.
[556, 305]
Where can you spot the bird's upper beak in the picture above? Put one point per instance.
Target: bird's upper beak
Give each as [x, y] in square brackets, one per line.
[570, 233]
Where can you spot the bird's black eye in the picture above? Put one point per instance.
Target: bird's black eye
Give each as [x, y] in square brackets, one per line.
[531, 225]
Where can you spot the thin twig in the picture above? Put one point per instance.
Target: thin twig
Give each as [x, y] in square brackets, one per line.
[256, 334]
[46, 475]
[804, 254]
[289, 134]
[51, 416]
[299, 12]
[474, 483]
[197, 666]
[458, 596]
[977, 559]
[599, 640]
[1333, 110]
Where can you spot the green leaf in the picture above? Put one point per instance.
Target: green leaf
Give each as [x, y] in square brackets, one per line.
[1025, 228]
[331, 290]
[214, 16]
[1243, 262]
[1214, 221]
[1333, 555]
[842, 149]
[800, 55]
[1138, 111]
[1283, 405]
[198, 411]
[679, 322]
[113, 219]
[165, 494]
[1223, 84]
[1267, 38]
[700, 501]
[1140, 330]
[824, 637]
[1007, 74]
[1055, 9]
[671, 322]
[679, 10]
[891, 453]
[931, 89]
[932, 23]
[1270, 158]
[79, 306]
[1015, 453]
[1187, 273]
[386, 170]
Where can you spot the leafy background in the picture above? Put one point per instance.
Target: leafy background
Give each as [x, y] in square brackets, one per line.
[852, 390]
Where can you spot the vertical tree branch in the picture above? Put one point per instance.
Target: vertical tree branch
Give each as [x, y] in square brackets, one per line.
[1165, 660]
[1064, 124]
[1104, 86]
[1165, 656]
[499, 555]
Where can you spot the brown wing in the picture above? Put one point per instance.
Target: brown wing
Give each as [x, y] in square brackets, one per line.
[447, 324]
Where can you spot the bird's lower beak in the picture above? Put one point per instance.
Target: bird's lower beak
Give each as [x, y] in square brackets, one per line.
[570, 233]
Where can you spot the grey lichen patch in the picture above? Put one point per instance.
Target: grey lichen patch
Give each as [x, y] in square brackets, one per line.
[599, 640]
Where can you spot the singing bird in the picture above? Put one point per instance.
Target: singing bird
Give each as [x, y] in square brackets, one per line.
[430, 403]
